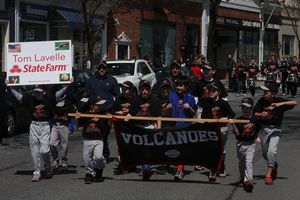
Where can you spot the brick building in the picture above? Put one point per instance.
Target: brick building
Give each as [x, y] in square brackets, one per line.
[158, 29]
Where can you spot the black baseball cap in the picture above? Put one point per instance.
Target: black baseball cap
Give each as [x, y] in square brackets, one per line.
[144, 83]
[175, 64]
[164, 83]
[39, 88]
[212, 87]
[127, 84]
[270, 87]
[102, 65]
[248, 102]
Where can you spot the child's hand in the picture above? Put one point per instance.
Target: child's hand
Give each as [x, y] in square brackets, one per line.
[186, 106]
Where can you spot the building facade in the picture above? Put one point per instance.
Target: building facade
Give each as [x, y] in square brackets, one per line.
[157, 29]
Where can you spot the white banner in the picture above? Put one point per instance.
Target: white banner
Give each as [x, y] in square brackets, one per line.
[35, 63]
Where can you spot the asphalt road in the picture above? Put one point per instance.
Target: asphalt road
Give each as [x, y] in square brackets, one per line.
[16, 171]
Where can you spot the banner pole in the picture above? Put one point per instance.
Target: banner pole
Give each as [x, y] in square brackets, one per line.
[159, 119]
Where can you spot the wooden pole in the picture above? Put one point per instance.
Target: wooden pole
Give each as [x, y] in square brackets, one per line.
[109, 116]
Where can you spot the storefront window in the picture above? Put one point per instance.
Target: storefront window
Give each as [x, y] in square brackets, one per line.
[288, 45]
[248, 45]
[270, 44]
[33, 31]
[191, 41]
[158, 40]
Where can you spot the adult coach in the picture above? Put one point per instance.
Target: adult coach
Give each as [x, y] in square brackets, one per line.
[106, 87]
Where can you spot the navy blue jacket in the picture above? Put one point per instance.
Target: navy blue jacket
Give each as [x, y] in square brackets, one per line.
[107, 88]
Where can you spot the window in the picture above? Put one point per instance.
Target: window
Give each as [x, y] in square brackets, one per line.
[33, 31]
[288, 45]
[143, 68]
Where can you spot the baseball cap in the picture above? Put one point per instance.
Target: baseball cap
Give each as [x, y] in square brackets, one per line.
[212, 86]
[61, 103]
[127, 84]
[248, 102]
[102, 65]
[165, 82]
[270, 87]
[209, 66]
[38, 89]
[144, 83]
[175, 64]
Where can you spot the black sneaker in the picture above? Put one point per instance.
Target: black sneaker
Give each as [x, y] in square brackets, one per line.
[48, 174]
[88, 179]
[212, 176]
[248, 186]
[178, 175]
[98, 177]
[146, 175]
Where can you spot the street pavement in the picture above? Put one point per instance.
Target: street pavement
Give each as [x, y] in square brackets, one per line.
[16, 170]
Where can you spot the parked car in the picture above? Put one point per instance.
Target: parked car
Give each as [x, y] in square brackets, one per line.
[16, 116]
[132, 70]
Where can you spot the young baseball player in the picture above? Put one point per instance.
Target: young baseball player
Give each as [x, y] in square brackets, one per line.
[270, 110]
[246, 135]
[40, 104]
[93, 133]
[59, 138]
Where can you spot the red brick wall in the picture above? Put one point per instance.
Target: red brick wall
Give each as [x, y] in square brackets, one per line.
[130, 17]
[238, 14]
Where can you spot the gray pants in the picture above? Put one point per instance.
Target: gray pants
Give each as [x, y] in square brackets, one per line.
[93, 155]
[269, 141]
[224, 134]
[245, 154]
[59, 142]
[39, 140]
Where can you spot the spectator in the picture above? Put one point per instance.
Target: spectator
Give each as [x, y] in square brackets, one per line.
[230, 63]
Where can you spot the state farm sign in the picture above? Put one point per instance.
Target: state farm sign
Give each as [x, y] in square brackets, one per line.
[33, 63]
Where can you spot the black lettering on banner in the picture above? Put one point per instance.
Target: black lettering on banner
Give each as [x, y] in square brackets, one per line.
[197, 144]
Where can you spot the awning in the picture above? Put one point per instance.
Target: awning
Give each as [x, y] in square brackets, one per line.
[75, 19]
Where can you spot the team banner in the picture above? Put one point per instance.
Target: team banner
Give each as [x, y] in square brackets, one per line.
[34, 63]
[197, 144]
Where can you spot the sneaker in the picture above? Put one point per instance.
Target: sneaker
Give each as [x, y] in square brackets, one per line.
[283, 94]
[88, 179]
[268, 180]
[248, 186]
[63, 166]
[48, 173]
[146, 175]
[274, 171]
[98, 177]
[245, 94]
[178, 175]
[199, 168]
[36, 177]
[212, 176]
[238, 95]
[222, 174]
[55, 164]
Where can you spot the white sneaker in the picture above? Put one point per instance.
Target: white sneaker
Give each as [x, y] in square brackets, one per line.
[55, 164]
[223, 174]
[199, 168]
[36, 176]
